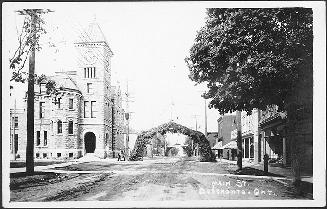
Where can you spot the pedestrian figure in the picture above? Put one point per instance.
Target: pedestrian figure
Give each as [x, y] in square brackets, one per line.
[123, 154]
[119, 156]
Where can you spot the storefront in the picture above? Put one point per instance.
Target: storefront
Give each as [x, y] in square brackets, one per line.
[230, 151]
[218, 149]
[273, 140]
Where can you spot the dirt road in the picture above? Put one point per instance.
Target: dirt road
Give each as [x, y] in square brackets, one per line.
[152, 179]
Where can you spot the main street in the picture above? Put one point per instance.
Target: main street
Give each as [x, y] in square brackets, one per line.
[158, 178]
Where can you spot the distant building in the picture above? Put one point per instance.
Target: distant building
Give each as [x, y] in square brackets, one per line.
[212, 138]
[85, 115]
[17, 130]
[226, 124]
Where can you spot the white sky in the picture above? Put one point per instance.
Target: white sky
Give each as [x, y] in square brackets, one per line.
[149, 40]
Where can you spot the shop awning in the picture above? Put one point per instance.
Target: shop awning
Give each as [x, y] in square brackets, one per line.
[230, 145]
[218, 145]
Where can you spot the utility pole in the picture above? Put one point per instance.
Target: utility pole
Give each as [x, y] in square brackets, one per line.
[30, 104]
[171, 109]
[196, 129]
[205, 115]
[205, 118]
[239, 140]
[33, 13]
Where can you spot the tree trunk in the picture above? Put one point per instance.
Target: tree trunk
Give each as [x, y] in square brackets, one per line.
[293, 137]
[30, 109]
[239, 140]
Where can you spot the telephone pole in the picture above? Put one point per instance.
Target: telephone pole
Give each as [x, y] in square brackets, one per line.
[33, 13]
[205, 118]
[196, 129]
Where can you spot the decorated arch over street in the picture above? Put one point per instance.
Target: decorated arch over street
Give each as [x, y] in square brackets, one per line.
[144, 138]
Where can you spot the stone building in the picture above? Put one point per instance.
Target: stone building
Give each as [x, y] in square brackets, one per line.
[17, 131]
[84, 115]
[118, 120]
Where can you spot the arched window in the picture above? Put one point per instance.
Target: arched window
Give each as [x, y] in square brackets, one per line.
[70, 127]
[59, 126]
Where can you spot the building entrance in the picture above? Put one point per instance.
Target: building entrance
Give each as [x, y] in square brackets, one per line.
[89, 140]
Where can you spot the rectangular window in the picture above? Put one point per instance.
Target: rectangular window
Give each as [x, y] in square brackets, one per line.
[89, 72]
[89, 87]
[247, 148]
[42, 109]
[38, 136]
[251, 148]
[86, 109]
[45, 155]
[71, 102]
[70, 127]
[58, 154]
[59, 126]
[42, 88]
[93, 109]
[15, 119]
[16, 143]
[59, 103]
[45, 138]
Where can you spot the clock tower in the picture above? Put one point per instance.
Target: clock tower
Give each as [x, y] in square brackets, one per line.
[94, 81]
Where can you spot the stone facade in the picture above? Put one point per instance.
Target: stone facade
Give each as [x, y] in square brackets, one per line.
[118, 121]
[78, 118]
[18, 132]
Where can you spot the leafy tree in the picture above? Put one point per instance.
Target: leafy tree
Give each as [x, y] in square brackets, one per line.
[254, 58]
[28, 37]
[28, 43]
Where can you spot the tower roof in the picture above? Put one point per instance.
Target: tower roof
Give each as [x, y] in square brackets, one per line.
[92, 33]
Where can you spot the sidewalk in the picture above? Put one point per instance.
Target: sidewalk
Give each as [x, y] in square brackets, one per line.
[287, 172]
[45, 167]
[51, 167]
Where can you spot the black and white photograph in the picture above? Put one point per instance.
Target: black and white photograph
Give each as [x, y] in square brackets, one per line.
[164, 104]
